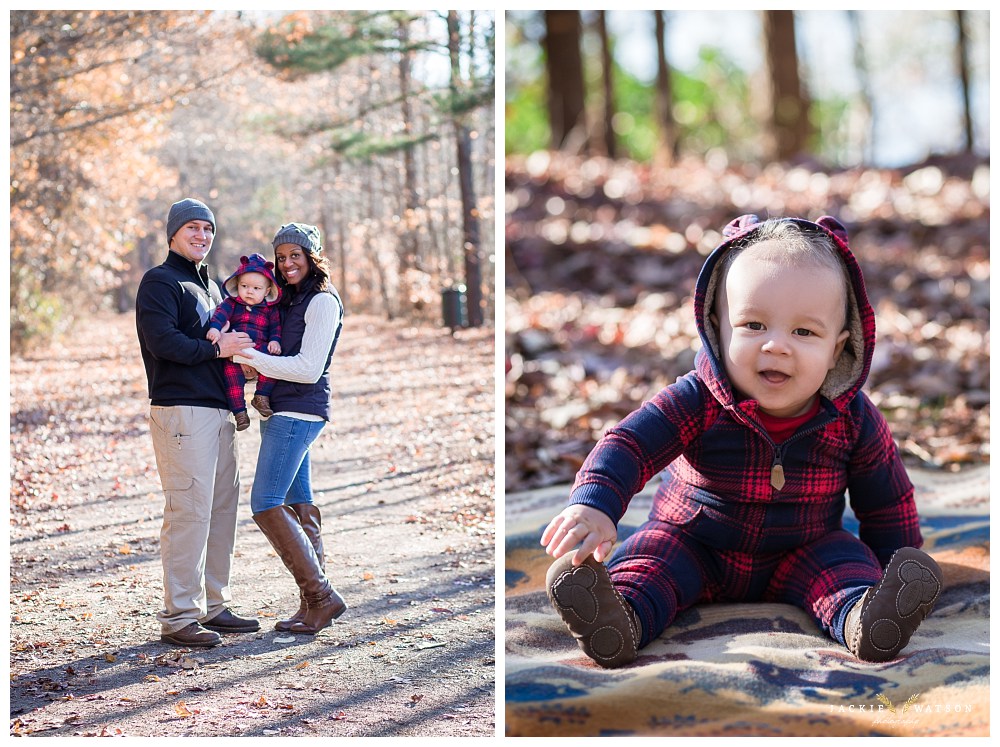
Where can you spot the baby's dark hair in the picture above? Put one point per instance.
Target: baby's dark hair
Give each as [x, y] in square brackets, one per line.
[798, 243]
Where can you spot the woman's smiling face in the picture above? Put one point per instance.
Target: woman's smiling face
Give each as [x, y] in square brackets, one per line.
[292, 262]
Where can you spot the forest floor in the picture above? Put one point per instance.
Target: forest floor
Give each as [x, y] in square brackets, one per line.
[404, 476]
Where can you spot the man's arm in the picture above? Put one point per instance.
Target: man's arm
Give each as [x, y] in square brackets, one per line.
[157, 308]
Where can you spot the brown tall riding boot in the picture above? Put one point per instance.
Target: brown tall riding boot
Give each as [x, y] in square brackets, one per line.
[281, 527]
[311, 523]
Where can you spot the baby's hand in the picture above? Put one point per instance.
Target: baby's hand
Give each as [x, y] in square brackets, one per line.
[587, 527]
[274, 348]
[213, 335]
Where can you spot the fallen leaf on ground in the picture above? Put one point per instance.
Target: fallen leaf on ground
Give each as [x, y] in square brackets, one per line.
[182, 710]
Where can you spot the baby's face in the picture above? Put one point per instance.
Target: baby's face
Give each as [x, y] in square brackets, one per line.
[781, 329]
[252, 287]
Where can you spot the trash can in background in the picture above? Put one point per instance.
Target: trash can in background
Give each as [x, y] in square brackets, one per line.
[453, 309]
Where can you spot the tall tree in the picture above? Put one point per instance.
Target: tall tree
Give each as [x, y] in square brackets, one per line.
[667, 149]
[962, 49]
[864, 84]
[607, 79]
[410, 253]
[788, 119]
[470, 221]
[565, 91]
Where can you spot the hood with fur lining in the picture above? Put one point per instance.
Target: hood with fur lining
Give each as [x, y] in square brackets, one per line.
[846, 378]
[254, 263]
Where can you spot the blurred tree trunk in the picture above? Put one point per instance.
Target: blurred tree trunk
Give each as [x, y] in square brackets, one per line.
[470, 220]
[409, 246]
[667, 149]
[564, 65]
[607, 78]
[788, 120]
[864, 83]
[963, 71]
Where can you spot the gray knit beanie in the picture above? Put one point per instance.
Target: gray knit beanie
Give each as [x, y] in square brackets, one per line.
[184, 211]
[302, 234]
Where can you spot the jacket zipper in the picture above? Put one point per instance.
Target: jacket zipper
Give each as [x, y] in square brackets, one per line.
[777, 470]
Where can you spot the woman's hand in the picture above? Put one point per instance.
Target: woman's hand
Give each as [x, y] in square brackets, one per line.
[587, 527]
[249, 372]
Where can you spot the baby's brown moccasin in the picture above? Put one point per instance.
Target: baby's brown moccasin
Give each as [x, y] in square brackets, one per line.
[262, 404]
[881, 623]
[242, 420]
[602, 622]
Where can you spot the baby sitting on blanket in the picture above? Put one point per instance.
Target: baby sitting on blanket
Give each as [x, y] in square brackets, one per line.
[760, 443]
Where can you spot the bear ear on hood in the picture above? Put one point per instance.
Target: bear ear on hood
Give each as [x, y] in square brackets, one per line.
[244, 260]
[834, 226]
[739, 225]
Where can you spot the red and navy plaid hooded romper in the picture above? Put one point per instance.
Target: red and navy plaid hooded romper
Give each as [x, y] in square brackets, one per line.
[261, 321]
[719, 529]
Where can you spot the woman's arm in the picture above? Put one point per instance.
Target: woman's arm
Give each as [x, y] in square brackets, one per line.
[322, 317]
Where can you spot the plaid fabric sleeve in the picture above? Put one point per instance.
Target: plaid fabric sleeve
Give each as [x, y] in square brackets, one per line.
[880, 491]
[273, 324]
[221, 315]
[640, 446]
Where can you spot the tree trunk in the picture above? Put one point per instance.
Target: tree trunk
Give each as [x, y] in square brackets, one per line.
[410, 249]
[788, 123]
[963, 72]
[667, 150]
[607, 63]
[564, 65]
[864, 82]
[470, 221]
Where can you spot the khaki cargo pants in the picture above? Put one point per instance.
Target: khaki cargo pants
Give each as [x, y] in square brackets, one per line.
[196, 457]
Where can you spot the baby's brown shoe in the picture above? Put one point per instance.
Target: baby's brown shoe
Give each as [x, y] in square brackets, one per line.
[262, 403]
[880, 624]
[242, 420]
[603, 623]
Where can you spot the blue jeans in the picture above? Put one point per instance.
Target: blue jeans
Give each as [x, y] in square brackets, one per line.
[283, 469]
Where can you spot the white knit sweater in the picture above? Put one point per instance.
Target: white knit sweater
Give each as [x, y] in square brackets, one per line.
[322, 317]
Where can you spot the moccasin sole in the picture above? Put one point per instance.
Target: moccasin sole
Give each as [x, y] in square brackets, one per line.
[893, 610]
[595, 613]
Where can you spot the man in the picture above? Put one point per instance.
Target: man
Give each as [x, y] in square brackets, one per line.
[194, 436]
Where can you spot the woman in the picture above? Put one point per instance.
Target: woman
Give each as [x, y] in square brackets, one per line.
[281, 498]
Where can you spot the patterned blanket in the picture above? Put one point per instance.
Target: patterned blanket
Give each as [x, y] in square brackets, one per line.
[757, 669]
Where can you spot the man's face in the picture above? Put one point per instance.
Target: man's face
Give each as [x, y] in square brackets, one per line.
[194, 240]
[252, 287]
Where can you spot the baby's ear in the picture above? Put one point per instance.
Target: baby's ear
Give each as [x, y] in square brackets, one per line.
[714, 320]
[739, 225]
[834, 226]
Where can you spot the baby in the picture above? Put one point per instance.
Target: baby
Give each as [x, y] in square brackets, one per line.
[760, 443]
[250, 307]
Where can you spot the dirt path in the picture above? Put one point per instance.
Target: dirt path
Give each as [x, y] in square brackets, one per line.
[405, 478]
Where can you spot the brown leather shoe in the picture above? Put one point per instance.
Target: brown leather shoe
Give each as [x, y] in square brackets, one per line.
[192, 635]
[881, 623]
[227, 622]
[242, 420]
[262, 404]
[600, 619]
